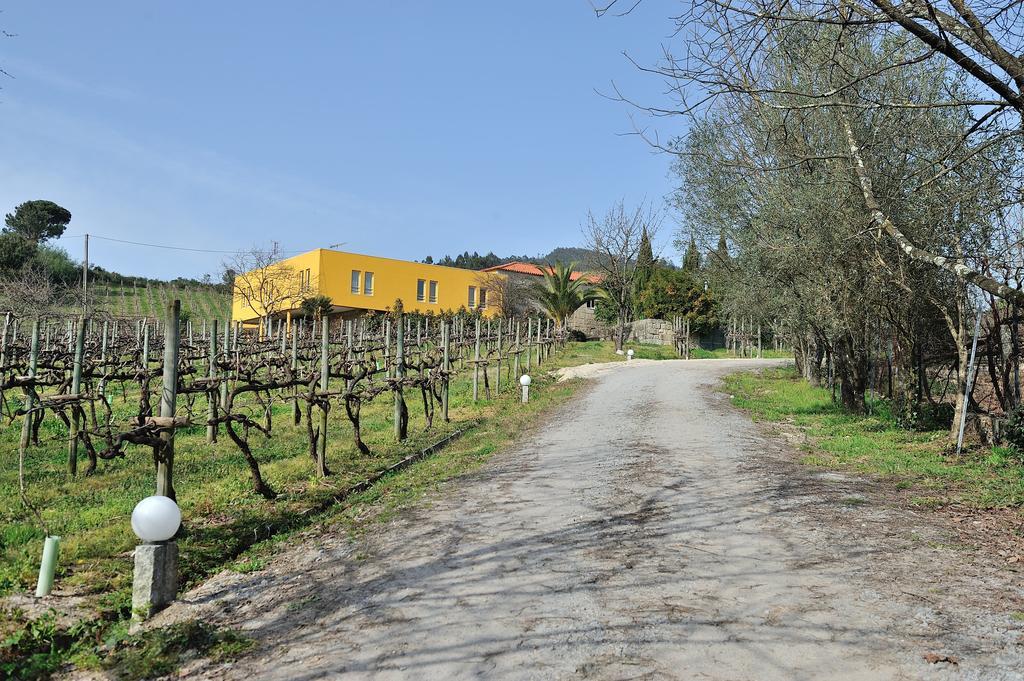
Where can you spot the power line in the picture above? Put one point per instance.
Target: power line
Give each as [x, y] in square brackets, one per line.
[165, 246]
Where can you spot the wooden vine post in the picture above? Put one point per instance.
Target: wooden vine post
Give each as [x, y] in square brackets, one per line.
[3, 341]
[529, 342]
[211, 394]
[26, 423]
[446, 367]
[76, 387]
[227, 349]
[401, 412]
[476, 364]
[168, 401]
[296, 412]
[518, 351]
[540, 342]
[497, 371]
[325, 377]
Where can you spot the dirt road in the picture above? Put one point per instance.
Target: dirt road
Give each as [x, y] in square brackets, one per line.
[648, 530]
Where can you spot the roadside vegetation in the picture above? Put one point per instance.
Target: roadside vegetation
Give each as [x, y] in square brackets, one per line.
[859, 166]
[874, 442]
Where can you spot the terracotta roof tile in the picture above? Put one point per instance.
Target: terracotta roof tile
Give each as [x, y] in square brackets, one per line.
[535, 270]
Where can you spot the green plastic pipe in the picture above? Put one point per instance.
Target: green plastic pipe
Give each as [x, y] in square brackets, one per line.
[48, 566]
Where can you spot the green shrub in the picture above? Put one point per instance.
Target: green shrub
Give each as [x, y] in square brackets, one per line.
[925, 416]
[1013, 430]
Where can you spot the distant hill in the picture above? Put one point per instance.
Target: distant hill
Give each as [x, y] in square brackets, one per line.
[584, 258]
[475, 261]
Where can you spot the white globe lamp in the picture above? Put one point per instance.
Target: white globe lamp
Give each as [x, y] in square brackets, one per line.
[525, 381]
[156, 519]
[629, 354]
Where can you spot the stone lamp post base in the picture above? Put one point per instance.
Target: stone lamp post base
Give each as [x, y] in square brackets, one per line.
[156, 578]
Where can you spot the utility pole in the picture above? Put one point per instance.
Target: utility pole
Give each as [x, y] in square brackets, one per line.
[85, 278]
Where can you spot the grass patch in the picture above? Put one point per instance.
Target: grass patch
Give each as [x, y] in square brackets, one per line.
[156, 652]
[644, 351]
[31, 648]
[203, 302]
[874, 444]
[226, 525]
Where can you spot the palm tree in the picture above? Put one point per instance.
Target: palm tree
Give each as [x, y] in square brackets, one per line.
[561, 293]
[317, 307]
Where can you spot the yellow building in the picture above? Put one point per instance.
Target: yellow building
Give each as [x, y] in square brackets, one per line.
[355, 284]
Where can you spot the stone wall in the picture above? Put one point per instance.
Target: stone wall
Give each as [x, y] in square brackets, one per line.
[651, 332]
[646, 331]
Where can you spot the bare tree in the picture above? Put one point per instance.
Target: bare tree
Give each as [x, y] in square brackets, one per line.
[31, 293]
[264, 283]
[615, 239]
[509, 293]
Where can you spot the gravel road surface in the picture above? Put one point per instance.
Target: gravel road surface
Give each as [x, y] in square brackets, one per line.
[647, 531]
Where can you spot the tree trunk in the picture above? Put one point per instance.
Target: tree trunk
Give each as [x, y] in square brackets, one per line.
[851, 369]
[962, 358]
[620, 332]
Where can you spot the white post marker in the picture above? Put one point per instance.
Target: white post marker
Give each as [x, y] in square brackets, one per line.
[155, 520]
[629, 354]
[525, 381]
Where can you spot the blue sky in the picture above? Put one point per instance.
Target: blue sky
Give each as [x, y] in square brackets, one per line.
[402, 129]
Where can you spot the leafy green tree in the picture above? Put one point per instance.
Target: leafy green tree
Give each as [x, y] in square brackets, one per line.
[560, 294]
[719, 257]
[38, 221]
[667, 293]
[644, 269]
[691, 261]
[678, 292]
[15, 251]
[57, 265]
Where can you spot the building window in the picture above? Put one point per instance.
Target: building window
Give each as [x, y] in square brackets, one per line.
[368, 283]
[421, 290]
[433, 291]
[472, 297]
[592, 303]
[483, 298]
[355, 281]
[305, 279]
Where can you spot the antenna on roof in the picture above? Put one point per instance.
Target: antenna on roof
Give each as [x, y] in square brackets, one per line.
[338, 245]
